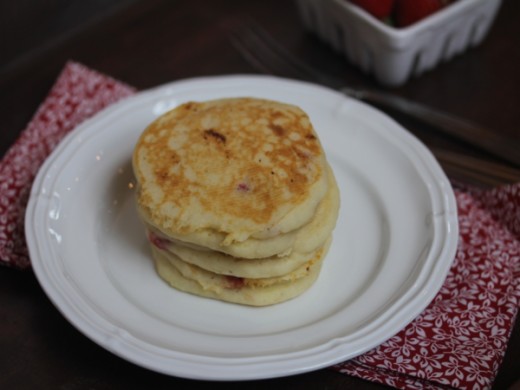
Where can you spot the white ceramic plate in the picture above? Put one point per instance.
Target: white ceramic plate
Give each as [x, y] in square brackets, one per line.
[394, 243]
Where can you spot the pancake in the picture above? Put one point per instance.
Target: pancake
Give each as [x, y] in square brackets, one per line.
[251, 248]
[306, 239]
[253, 292]
[223, 264]
[228, 170]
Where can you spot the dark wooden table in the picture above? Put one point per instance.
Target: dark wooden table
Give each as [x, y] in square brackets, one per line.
[147, 43]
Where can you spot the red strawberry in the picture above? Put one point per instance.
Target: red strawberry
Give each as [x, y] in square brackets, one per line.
[378, 8]
[408, 12]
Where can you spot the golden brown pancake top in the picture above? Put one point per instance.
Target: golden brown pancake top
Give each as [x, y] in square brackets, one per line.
[227, 163]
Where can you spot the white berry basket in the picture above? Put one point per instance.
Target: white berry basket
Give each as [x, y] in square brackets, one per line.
[393, 55]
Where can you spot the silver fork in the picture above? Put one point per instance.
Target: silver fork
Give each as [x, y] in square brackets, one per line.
[268, 56]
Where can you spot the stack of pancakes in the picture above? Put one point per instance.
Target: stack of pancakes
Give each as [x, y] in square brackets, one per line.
[237, 198]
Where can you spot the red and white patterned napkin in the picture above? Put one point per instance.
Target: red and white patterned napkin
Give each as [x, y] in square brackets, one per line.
[458, 341]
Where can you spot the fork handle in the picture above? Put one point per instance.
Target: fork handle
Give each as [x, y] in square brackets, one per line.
[507, 149]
